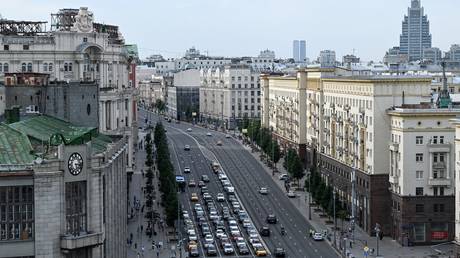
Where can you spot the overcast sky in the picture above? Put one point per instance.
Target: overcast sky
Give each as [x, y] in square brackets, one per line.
[244, 27]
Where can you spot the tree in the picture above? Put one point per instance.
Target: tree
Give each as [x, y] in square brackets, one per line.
[160, 105]
[274, 152]
[295, 168]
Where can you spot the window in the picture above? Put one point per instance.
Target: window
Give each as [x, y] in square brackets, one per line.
[419, 230]
[441, 191]
[435, 140]
[75, 207]
[441, 139]
[419, 208]
[418, 191]
[435, 191]
[25, 47]
[24, 67]
[16, 213]
[70, 67]
[419, 140]
[29, 67]
[438, 207]
[6, 47]
[45, 67]
[419, 157]
[85, 39]
[419, 174]
[50, 67]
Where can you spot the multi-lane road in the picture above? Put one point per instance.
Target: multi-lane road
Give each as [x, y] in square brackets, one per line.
[247, 176]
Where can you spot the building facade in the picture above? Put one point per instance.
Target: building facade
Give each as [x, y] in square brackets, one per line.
[327, 58]
[299, 51]
[77, 49]
[422, 166]
[432, 55]
[150, 91]
[229, 94]
[62, 201]
[415, 32]
[184, 95]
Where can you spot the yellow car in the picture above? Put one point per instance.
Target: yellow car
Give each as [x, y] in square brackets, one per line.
[261, 252]
[194, 197]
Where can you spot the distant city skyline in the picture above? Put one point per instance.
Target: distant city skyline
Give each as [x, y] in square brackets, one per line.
[244, 28]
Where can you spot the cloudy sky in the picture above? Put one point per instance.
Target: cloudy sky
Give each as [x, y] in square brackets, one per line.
[244, 27]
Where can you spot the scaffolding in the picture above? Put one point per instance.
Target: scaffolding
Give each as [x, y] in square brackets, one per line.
[26, 28]
[63, 20]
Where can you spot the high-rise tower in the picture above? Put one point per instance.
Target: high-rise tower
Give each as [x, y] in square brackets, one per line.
[415, 32]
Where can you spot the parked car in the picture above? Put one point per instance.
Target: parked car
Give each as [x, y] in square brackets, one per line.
[291, 194]
[318, 236]
[283, 177]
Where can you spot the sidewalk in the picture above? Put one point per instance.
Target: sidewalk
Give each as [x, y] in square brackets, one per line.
[138, 223]
[387, 246]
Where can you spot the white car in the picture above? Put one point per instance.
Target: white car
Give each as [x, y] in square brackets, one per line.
[318, 237]
[227, 136]
[220, 197]
[189, 129]
[187, 147]
[263, 190]
[228, 248]
[220, 233]
[186, 170]
[192, 235]
[291, 194]
[208, 240]
[283, 177]
[246, 223]
[208, 134]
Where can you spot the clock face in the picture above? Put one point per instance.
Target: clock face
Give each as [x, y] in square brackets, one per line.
[75, 164]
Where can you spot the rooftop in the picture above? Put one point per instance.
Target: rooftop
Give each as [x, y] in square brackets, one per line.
[15, 147]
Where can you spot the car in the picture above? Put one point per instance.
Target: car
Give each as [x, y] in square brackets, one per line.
[205, 178]
[243, 249]
[211, 250]
[192, 235]
[187, 170]
[318, 236]
[189, 129]
[194, 197]
[227, 136]
[260, 251]
[193, 252]
[246, 223]
[283, 177]
[220, 197]
[198, 207]
[229, 189]
[228, 248]
[204, 189]
[208, 240]
[222, 176]
[219, 143]
[191, 183]
[263, 190]
[208, 134]
[205, 230]
[264, 231]
[220, 233]
[271, 219]
[291, 194]
[187, 147]
[207, 196]
[201, 183]
[279, 252]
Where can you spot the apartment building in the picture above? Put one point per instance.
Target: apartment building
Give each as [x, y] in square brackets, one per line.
[229, 94]
[421, 176]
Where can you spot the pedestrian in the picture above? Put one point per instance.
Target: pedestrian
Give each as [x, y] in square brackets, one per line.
[135, 245]
[142, 228]
[142, 249]
[158, 254]
[131, 236]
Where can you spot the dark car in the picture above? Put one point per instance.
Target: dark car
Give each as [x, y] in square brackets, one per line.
[243, 249]
[205, 178]
[279, 252]
[264, 231]
[211, 250]
[194, 252]
[271, 219]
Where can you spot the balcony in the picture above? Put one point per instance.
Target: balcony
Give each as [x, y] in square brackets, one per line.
[437, 147]
[439, 165]
[70, 242]
[394, 146]
[440, 182]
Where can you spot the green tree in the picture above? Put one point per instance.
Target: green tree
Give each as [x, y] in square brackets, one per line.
[160, 105]
[274, 152]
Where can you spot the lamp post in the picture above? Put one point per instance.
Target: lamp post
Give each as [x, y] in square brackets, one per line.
[309, 195]
[335, 218]
[377, 234]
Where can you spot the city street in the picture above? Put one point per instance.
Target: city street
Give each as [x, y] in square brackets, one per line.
[247, 175]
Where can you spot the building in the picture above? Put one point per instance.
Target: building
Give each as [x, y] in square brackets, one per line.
[264, 62]
[432, 55]
[350, 59]
[64, 188]
[229, 94]
[76, 49]
[456, 123]
[453, 56]
[151, 91]
[422, 169]
[394, 57]
[299, 51]
[74, 102]
[415, 34]
[184, 95]
[287, 121]
[346, 129]
[327, 58]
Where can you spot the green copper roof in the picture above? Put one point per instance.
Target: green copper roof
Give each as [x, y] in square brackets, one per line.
[99, 144]
[132, 50]
[51, 130]
[15, 147]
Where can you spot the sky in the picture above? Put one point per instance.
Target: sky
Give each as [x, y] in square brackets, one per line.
[245, 27]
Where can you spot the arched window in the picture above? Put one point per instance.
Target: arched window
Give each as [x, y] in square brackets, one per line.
[66, 67]
[45, 67]
[70, 67]
[5, 67]
[29, 67]
[50, 67]
[24, 67]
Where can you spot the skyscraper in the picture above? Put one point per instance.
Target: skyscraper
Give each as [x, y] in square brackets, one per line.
[299, 51]
[415, 32]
